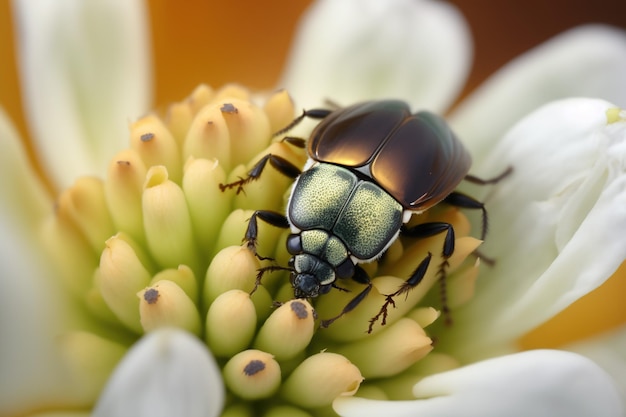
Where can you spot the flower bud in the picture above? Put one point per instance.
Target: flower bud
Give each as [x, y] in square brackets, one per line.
[71, 254]
[280, 110]
[249, 129]
[390, 351]
[229, 92]
[123, 188]
[85, 204]
[208, 137]
[461, 285]
[165, 304]
[201, 96]
[230, 323]
[182, 276]
[252, 374]
[321, 378]
[208, 205]
[424, 316]
[166, 220]
[238, 410]
[156, 145]
[90, 360]
[120, 276]
[288, 330]
[286, 411]
[234, 267]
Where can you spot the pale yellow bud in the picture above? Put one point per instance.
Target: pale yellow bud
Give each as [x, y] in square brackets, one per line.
[72, 256]
[156, 146]
[85, 204]
[252, 374]
[230, 323]
[208, 205]
[165, 304]
[208, 137]
[123, 188]
[182, 276]
[389, 352]
[121, 276]
[321, 378]
[288, 330]
[167, 223]
[249, 129]
[90, 359]
[280, 110]
[231, 91]
[200, 97]
[234, 267]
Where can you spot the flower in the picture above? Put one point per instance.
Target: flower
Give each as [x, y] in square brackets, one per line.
[137, 253]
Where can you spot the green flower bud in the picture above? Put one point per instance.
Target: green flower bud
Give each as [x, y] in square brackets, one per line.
[288, 330]
[121, 276]
[123, 188]
[238, 410]
[201, 187]
[252, 374]
[90, 359]
[156, 145]
[208, 137]
[85, 204]
[230, 323]
[166, 220]
[166, 304]
[321, 378]
[182, 276]
[390, 351]
[234, 267]
[286, 411]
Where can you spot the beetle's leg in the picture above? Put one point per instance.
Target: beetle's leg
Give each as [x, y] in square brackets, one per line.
[313, 114]
[261, 271]
[464, 201]
[426, 230]
[475, 180]
[278, 162]
[360, 276]
[270, 217]
[414, 280]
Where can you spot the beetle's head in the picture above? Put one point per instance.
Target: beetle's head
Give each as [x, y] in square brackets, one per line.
[310, 276]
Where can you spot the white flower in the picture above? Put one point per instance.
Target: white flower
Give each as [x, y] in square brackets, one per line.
[556, 222]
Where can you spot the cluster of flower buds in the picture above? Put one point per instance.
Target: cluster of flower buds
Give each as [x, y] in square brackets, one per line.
[159, 244]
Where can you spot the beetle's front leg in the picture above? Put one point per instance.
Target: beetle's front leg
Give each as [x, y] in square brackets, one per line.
[359, 276]
[269, 217]
[278, 162]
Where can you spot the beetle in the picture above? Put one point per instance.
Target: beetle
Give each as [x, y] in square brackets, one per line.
[371, 166]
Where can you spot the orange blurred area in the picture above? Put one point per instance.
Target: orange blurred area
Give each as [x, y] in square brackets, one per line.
[601, 310]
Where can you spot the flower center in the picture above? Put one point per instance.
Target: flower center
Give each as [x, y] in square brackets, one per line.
[158, 243]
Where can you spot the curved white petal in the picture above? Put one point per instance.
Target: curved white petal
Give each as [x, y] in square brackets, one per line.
[31, 306]
[353, 50]
[609, 352]
[589, 61]
[556, 223]
[167, 373]
[540, 383]
[85, 74]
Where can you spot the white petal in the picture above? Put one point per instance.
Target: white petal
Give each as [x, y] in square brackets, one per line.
[609, 352]
[589, 61]
[31, 306]
[352, 50]
[167, 373]
[539, 383]
[557, 223]
[85, 74]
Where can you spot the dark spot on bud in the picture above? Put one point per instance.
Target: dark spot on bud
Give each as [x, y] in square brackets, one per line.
[146, 137]
[254, 367]
[300, 309]
[229, 108]
[126, 163]
[151, 296]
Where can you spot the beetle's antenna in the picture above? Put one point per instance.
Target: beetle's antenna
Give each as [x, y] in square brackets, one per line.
[295, 122]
